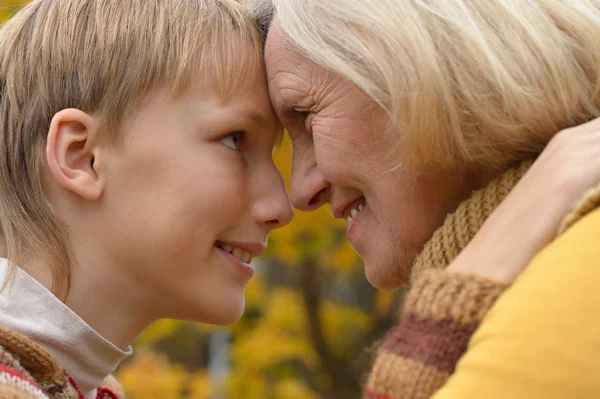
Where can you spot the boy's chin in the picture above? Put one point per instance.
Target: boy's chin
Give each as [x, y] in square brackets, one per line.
[223, 312]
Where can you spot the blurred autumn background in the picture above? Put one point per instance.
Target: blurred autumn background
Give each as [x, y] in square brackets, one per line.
[311, 317]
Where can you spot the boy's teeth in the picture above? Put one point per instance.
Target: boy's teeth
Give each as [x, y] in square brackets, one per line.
[247, 257]
[348, 219]
[239, 253]
[353, 213]
[361, 207]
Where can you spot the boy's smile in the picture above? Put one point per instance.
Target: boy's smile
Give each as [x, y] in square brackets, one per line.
[243, 251]
[197, 174]
[189, 197]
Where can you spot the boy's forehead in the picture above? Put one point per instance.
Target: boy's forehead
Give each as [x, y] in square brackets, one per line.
[246, 96]
[234, 64]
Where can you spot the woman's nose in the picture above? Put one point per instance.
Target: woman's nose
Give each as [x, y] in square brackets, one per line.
[308, 188]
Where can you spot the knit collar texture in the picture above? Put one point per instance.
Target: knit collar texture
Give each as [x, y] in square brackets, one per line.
[28, 308]
[460, 227]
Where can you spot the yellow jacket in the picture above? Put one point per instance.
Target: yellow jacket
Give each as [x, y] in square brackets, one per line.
[542, 337]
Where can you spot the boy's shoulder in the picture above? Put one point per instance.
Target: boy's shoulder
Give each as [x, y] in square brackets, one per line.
[27, 371]
[15, 385]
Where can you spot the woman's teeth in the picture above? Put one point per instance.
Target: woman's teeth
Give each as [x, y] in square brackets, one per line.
[353, 213]
[239, 253]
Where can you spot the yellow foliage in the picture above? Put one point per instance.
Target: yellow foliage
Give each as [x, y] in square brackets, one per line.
[249, 385]
[285, 309]
[200, 386]
[255, 293]
[165, 329]
[293, 389]
[283, 159]
[343, 324]
[342, 259]
[8, 7]
[280, 335]
[207, 329]
[315, 235]
[308, 234]
[158, 331]
[384, 302]
[246, 384]
[265, 347]
[151, 376]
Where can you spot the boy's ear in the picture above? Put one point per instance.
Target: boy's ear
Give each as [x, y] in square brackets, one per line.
[71, 152]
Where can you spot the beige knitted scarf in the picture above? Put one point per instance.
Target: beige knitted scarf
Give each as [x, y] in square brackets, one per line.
[462, 225]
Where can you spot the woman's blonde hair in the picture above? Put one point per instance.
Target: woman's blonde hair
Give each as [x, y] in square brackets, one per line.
[100, 56]
[476, 82]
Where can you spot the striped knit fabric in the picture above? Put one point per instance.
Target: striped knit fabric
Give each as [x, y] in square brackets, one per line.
[27, 371]
[15, 385]
[441, 313]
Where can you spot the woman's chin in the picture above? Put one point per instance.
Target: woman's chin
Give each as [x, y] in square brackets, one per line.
[385, 277]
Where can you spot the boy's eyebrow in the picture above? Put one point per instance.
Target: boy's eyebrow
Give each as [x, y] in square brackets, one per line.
[258, 118]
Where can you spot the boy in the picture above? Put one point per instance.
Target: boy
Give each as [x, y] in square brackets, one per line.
[136, 180]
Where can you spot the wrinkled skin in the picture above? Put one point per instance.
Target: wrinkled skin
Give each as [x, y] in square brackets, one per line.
[345, 150]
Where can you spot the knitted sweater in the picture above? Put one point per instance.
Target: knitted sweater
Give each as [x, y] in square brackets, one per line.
[29, 372]
[443, 310]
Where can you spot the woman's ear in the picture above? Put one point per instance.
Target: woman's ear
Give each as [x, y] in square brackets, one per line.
[71, 150]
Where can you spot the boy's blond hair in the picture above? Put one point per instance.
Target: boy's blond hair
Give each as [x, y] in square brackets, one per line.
[100, 56]
[476, 82]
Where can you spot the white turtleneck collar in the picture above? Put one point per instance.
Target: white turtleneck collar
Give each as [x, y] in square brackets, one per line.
[28, 308]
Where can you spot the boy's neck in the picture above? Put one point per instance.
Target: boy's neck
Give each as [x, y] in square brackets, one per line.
[104, 307]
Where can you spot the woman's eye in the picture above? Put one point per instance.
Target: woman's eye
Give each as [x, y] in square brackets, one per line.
[303, 115]
[233, 140]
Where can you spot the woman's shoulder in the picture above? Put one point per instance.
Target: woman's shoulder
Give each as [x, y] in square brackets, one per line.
[542, 328]
[578, 246]
[568, 268]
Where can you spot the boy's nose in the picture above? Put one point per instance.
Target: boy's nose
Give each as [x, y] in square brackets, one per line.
[274, 208]
[278, 212]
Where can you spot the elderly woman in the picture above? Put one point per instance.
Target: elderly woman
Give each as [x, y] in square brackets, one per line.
[414, 119]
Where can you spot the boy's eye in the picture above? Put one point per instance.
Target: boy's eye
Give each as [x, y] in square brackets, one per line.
[233, 140]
